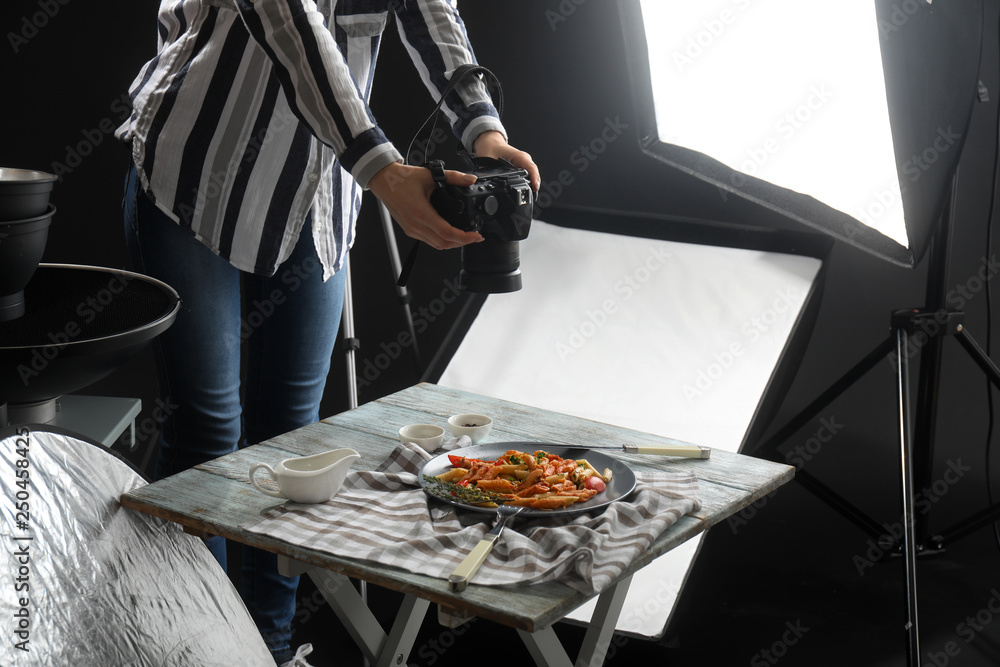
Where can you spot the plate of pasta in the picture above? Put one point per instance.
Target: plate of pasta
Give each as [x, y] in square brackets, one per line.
[546, 479]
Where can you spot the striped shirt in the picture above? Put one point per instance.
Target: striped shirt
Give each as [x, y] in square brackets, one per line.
[254, 114]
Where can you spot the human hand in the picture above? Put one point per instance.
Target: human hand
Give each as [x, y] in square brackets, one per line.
[405, 190]
[492, 144]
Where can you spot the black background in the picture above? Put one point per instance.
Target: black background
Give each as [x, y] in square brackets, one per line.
[67, 67]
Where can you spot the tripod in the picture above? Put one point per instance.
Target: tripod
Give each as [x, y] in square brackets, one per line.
[351, 343]
[914, 333]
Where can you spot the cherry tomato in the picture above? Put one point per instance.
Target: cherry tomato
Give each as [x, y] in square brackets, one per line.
[595, 483]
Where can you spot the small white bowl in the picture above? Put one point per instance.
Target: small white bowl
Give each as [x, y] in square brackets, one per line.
[428, 436]
[475, 426]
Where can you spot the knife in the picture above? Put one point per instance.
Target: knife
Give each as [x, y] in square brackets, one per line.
[467, 569]
[677, 448]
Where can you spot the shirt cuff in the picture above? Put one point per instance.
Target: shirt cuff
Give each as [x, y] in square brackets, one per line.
[373, 162]
[477, 127]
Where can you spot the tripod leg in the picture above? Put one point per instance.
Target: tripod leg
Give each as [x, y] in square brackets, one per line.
[877, 355]
[970, 525]
[770, 446]
[402, 293]
[350, 347]
[350, 342]
[990, 514]
[909, 537]
[979, 356]
[839, 504]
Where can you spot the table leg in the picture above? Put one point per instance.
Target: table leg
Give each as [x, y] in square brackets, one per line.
[404, 632]
[380, 649]
[547, 651]
[602, 625]
[545, 648]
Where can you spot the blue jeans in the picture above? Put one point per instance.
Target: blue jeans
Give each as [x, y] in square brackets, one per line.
[287, 326]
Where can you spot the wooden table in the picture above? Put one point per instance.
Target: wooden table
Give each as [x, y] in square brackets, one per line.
[217, 498]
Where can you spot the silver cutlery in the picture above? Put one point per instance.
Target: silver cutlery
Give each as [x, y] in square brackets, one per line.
[675, 448]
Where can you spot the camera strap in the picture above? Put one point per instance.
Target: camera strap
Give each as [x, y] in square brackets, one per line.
[437, 166]
[437, 172]
[460, 74]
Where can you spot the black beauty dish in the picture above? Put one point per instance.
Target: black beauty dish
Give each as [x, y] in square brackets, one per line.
[62, 327]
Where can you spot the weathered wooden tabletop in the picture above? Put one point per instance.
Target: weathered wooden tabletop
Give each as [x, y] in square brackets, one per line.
[217, 497]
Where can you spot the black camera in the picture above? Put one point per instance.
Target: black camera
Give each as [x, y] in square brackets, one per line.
[499, 206]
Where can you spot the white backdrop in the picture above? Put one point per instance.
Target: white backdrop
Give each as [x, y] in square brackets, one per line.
[670, 338]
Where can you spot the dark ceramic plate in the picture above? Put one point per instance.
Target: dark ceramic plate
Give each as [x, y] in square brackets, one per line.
[620, 487]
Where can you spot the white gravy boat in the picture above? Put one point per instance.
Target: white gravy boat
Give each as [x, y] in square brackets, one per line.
[308, 479]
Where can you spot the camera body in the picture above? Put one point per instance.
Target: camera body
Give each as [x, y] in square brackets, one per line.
[499, 206]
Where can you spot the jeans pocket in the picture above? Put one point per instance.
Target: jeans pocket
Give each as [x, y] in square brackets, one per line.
[130, 206]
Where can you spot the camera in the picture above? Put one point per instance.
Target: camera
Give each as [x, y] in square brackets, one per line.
[499, 206]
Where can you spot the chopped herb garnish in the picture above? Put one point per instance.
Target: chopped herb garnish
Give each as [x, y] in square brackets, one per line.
[466, 494]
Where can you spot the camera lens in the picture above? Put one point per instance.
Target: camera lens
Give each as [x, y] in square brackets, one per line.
[491, 267]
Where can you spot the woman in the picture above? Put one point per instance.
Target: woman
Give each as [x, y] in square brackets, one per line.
[252, 141]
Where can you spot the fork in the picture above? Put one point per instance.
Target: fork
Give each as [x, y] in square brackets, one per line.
[467, 569]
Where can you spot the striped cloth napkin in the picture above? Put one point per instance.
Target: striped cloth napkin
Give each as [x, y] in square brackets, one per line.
[385, 516]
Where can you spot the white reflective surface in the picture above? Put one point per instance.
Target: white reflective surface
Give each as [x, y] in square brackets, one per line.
[674, 339]
[787, 91]
[89, 582]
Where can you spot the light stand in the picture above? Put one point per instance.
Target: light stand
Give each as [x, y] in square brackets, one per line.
[351, 343]
[402, 293]
[906, 475]
[914, 333]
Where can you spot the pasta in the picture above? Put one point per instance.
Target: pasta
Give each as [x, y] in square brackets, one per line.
[539, 480]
